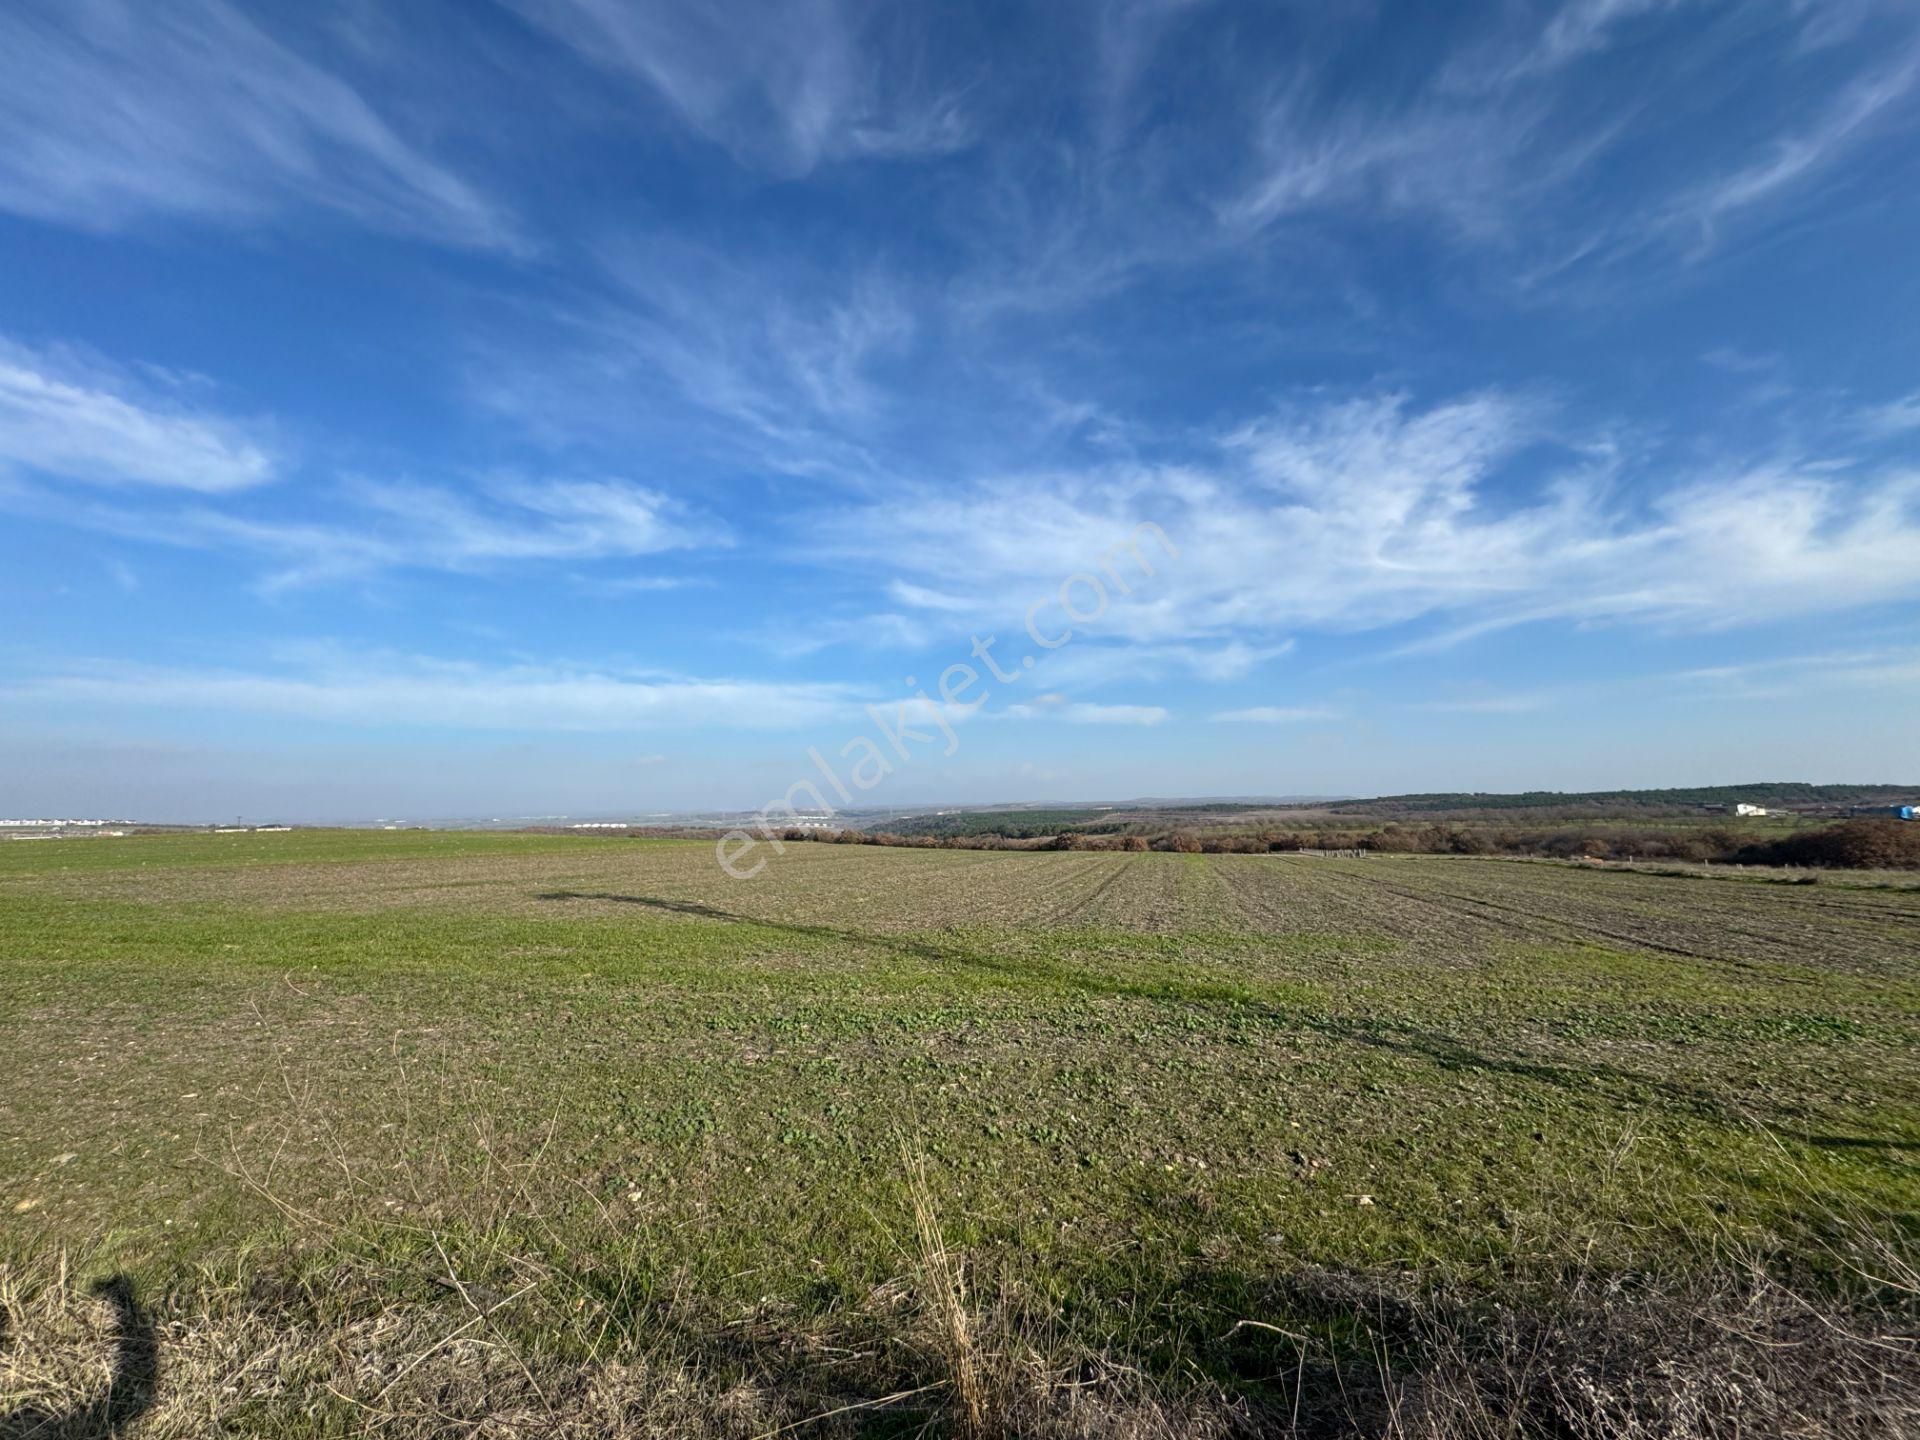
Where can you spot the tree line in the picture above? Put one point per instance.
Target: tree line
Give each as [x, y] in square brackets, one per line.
[1851, 844]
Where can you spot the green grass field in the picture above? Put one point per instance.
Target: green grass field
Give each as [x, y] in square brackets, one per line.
[646, 1108]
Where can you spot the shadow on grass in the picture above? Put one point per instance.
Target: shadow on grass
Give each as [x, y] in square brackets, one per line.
[1853, 1142]
[1028, 970]
[1037, 971]
[129, 1393]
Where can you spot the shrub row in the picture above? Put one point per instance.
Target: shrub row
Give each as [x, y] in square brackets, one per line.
[1852, 844]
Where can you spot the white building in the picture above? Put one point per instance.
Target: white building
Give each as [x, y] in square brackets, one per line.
[1745, 809]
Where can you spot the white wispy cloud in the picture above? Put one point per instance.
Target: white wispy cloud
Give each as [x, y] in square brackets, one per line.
[366, 527]
[855, 363]
[1080, 712]
[921, 597]
[1826, 23]
[782, 87]
[795, 635]
[1518, 704]
[770, 358]
[511, 518]
[1094, 660]
[1230, 660]
[1897, 417]
[501, 522]
[415, 691]
[65, 417]
[1786, 676]
[1363, 514]
[1571, 32]
[1278, 715]
[617, 585]
[1799, 157]
[116, 111]
[1583, 26]
[1456, 163]
[1510, 150]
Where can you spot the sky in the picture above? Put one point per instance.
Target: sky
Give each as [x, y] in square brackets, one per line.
[525, 407]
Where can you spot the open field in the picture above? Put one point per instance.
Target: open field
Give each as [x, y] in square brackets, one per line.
[567, 1115]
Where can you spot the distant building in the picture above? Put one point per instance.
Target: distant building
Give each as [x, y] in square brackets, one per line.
[1745, 809]
[1907, 812]
[57, 829]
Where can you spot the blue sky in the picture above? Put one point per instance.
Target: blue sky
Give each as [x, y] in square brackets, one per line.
[566, 406]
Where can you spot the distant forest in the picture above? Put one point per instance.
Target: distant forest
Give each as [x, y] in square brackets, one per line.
[1770, 793]
[1675, 824]
[1037, 823]
[1013, 824]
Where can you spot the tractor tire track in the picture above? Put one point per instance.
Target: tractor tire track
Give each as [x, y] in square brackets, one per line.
[1121, 870]
[1550, 927]
[1802, 930]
